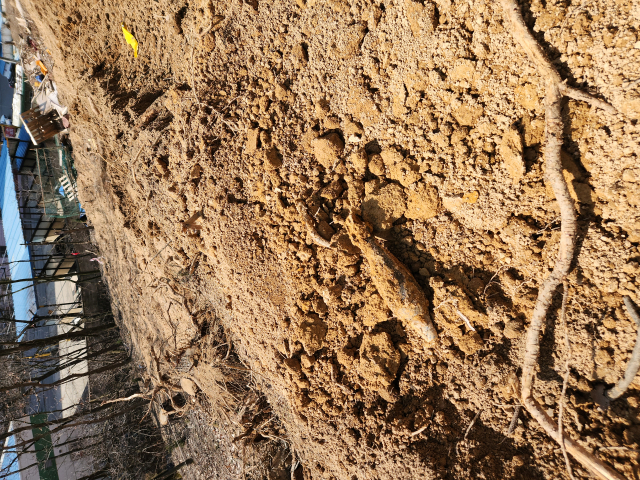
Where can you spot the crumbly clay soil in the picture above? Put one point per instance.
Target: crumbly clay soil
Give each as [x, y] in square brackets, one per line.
[421, 117]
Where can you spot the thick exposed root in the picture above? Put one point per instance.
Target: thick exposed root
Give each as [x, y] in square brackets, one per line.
[555, 91]
[634, 364]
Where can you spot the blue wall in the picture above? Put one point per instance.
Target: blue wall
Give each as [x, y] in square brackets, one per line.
[24, 300]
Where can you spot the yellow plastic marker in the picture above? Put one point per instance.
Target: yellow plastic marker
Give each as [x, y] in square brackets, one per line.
[131, 40]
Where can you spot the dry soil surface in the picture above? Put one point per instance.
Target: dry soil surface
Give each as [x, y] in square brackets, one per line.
[204, 162]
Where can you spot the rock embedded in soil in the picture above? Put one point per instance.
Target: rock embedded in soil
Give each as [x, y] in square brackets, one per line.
[271, 158]
[251, 145]
[325, 230]
[353, 131]
[163, 417]
[376, 164]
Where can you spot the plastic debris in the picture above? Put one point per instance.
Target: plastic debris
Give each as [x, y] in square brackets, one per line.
[131, 40]
[43, 69]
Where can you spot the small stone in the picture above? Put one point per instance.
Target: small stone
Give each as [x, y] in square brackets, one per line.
[281, 92]
[293, 365]
[471, 197]
[252, 141]
[305, 254]
[333, 190]
[196, 172]
[272, 158]
[376, 165]
[163, 417]
[353, 129]
[325, 230]
[319, 306]
[189, 386]
[307, 361]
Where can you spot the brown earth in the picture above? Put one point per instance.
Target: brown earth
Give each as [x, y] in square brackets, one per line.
[425, 118]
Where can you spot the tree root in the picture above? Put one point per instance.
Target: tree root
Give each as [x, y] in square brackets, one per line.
[555, 91]
[634, 364]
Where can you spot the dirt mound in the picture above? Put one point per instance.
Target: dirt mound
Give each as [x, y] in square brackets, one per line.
[219, 168]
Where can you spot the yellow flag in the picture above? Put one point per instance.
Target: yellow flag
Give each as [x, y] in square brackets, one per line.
[131, 40]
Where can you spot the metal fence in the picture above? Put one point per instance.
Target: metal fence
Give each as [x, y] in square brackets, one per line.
[58, 181]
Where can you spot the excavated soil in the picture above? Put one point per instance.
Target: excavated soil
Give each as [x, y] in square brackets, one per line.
[201, 160]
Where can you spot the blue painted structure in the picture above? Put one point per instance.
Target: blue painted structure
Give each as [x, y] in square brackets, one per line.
[24, 140]
[24, 298]
[9, 462]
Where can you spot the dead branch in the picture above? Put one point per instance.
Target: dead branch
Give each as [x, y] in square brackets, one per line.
[555, 91]
[466, 433]
[126, 399]
[634, 364]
